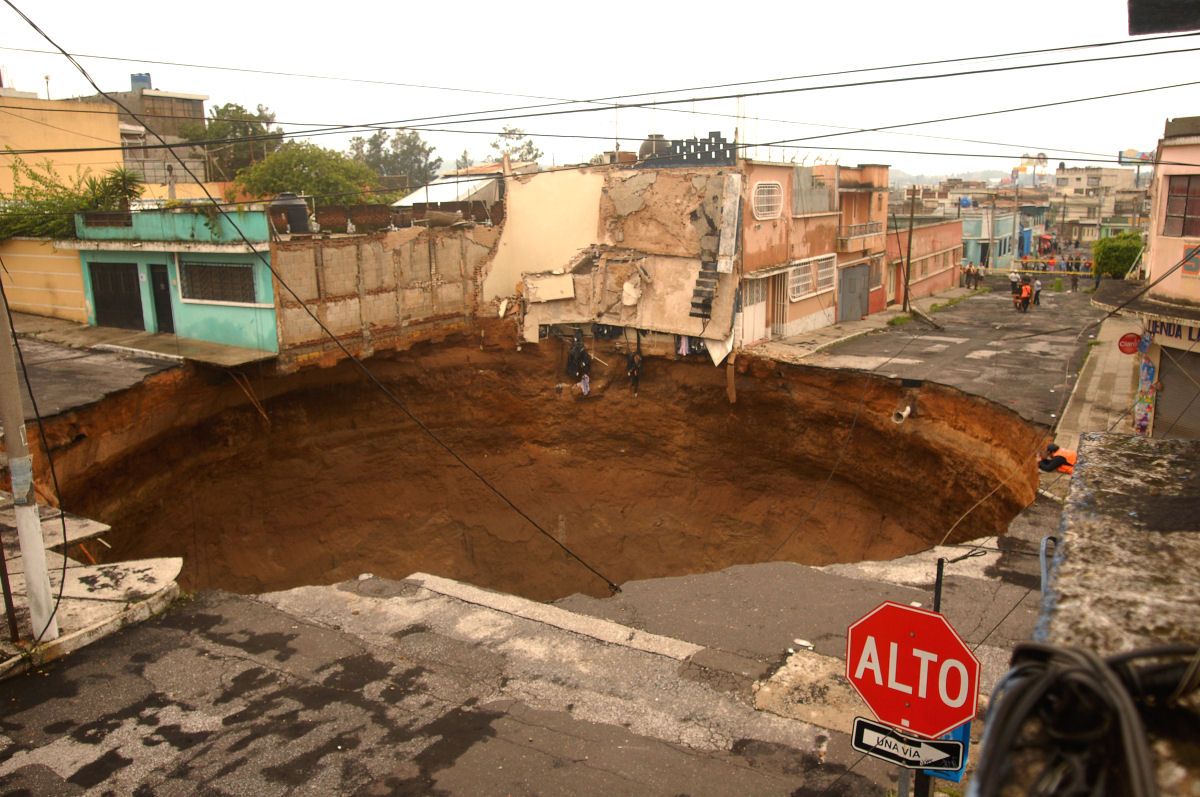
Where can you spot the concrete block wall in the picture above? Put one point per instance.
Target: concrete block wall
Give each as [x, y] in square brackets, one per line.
[377, 291]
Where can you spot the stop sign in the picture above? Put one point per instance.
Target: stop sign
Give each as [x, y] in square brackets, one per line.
[912, 669]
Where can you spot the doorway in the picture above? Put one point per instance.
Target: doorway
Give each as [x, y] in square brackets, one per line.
[117, 295]
[160, 288]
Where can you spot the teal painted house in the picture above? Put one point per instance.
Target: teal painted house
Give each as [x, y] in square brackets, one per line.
[181, 271]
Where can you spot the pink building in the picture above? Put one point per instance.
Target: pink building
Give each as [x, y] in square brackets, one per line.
[812, 246]
[1169, 302]
[936, 257]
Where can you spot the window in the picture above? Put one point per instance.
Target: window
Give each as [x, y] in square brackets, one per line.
[800, 281]
[826, 273]
[1093, 181]
[756, 292]
[768, 199]
[1063, 181]
[1183, 206]
[877, 273]
[218, 282]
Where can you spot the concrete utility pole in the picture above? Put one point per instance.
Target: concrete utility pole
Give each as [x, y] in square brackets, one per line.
[20, 466]
[1016, 222]
[993, 260]
[912, 209]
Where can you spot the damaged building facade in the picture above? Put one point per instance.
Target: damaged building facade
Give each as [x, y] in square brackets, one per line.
[695, 243]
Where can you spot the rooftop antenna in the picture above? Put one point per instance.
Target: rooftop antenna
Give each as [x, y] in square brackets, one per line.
[47, 77]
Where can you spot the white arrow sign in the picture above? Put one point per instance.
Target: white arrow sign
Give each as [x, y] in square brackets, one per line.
[890, 744]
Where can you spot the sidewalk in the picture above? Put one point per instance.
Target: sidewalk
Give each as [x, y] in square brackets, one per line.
[797, 347]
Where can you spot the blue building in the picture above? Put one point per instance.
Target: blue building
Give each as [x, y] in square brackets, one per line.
[988, 239]
[182, 271]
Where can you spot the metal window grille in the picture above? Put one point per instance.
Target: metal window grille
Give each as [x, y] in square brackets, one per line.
[800, 281]
[826, 272]
[768, 200]
[1183, 206]
[877, 273]
[218, 282]
[756, 291]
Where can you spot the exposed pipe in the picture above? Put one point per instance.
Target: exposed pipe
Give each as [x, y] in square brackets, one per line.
[901, 414]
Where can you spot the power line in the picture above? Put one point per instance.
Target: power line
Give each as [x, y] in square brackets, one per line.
[608, 99]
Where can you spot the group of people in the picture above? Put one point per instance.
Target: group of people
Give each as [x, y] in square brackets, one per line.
[1024, 291]
[972, 276]
[579, 364]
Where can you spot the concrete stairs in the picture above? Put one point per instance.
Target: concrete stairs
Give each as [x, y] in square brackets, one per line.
[705, 291]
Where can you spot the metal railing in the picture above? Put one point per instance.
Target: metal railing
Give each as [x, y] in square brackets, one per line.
[855, 230]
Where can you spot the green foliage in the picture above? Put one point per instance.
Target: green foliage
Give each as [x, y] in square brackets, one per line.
[1057, 286]
[253, 138]
[43, 203]
[899, 320]
[305, 168]
[405, 153]
[516, 145]
[1115, 255]
[463, 161]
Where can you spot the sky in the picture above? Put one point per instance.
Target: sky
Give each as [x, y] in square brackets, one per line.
[431, 68]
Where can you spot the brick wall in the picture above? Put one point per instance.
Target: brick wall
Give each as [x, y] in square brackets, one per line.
[377, 291]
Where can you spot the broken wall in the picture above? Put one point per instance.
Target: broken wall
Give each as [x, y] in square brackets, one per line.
[549, 218]
[380, 291]
[676, 212]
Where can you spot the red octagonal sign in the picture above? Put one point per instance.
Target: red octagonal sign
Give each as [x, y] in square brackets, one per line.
[913, 669]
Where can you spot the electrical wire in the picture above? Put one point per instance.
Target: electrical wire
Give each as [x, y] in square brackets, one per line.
[395, 400]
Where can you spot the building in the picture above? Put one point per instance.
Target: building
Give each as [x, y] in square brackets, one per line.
[476, 192]
[1168, 302]
[1092, 202]
[694, 242]
[186, 272]
[937, 252]
[988, 236]
[88, 133]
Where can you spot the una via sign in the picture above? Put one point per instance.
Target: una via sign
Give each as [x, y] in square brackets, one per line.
[887, 743]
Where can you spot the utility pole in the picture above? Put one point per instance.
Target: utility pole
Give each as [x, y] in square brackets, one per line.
[1016, 222]
[912, 209]
[992, 259]
[20, 466]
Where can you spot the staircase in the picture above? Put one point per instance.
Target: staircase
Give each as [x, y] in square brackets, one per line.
[706, 289]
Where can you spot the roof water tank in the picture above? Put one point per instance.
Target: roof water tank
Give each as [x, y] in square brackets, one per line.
[296, 210]
[140, 80]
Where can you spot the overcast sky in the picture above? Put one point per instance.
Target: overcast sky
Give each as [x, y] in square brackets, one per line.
[416, 63]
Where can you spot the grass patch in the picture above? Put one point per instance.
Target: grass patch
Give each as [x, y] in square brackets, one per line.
[1057, 286]
[899, 320]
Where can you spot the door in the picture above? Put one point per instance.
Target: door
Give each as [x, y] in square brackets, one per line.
[853, 289]
[160, 287]
[893, 280]
[754, 310]
[1176, 408]
[117, 295]
[779, 292]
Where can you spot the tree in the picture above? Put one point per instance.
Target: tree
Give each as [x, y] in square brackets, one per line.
[405, 153]
[1115, 255]
[516, 145]
[252, 138]
[463, 161]
[43, 204]
[305, 168]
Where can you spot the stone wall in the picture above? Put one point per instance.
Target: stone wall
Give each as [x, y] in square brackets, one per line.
[380, 291]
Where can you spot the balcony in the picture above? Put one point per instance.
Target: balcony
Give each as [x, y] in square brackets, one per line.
[850, 235]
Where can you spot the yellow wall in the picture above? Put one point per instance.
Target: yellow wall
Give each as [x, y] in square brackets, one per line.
[548, 218]
[28, 123]
[42, 280]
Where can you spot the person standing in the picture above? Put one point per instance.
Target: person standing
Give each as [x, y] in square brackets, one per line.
[1074, 281]
[1026, 295]
[1037, 291]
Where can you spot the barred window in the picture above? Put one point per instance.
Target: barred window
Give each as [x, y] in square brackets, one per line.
[826, 273]
[800, 281]
[1183, 206]
[768, 200]
[218, 282]
[877, 273]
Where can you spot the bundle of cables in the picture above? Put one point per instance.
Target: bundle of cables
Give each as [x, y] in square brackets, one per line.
[1066, 722]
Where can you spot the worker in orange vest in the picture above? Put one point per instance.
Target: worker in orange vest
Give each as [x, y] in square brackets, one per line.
[1026, 295]
[1055, 458]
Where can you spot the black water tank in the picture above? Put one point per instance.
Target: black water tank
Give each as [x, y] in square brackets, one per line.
[296, 210]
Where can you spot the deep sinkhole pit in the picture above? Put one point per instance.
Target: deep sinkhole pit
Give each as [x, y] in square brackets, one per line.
[678, 480]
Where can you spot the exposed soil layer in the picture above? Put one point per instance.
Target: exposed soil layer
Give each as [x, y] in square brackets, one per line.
[678, 480]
